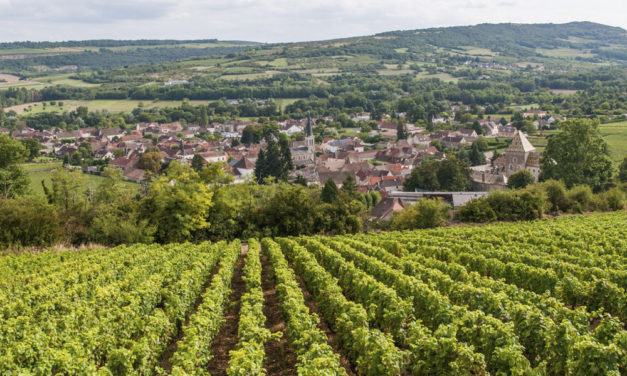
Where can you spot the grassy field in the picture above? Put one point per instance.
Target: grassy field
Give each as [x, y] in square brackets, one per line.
[41, 82]
[616, 136]
[41, 171]
[112, 105]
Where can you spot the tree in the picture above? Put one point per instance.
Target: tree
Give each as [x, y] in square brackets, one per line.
[150, 161]
[300, 179]
[275, 161]
[14, 180]
[401, 131]
[476, 156]
[198, 162]
[329, 192]
[117, 153]
[477, 127]
[451, 174]
[251, 135]
[622, 171]
[520, 179]
[118, 219]
[215, 174]
[177, 204]
[349, 186]
[481, 143]
[204, 118]
[577, 155]
[33, 147]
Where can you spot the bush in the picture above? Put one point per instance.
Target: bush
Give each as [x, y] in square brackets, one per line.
[426, 213]
[503, 206]
[520, 179]
[556, 195]
[614, 199]
[28, 222]
[516, 205]
[580, 199]
[477, 210]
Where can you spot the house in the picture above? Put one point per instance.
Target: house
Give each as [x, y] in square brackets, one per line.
[214, 156]
[386, 207]
[124, 163]
[71, 135]
[111, 133]
[532, 113]
[507, 131]
[490, 128]
[135, 174]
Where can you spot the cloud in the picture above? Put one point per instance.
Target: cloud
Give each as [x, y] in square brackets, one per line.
[276, 20]
[84, 11]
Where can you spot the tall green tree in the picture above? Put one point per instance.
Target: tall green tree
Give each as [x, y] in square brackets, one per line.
[33, 147]
[349, 186]
[329, 192]
[451, 174]
[577, 155]
[177, 204]
[13, 179]
[476, 156]
[401, 131]
[198, 162]
[622, 171]
[275, 161]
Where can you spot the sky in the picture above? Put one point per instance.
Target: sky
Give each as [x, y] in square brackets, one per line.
[277, 20]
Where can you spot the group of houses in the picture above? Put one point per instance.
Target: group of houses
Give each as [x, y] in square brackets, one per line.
[381, 166]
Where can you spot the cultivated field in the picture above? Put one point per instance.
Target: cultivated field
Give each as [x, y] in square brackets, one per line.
[533, 298]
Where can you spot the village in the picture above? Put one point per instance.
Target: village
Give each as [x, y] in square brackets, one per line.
[382, 166]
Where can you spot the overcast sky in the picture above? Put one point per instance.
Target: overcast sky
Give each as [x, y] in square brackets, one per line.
[277, 20]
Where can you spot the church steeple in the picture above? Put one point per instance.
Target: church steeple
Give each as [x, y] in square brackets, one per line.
[310, 140]
[309, 125]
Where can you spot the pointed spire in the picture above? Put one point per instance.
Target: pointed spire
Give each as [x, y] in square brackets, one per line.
[309, 125]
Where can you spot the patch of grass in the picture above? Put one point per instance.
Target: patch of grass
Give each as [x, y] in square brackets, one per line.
[279, 63]
[41, 171]
[615, 134]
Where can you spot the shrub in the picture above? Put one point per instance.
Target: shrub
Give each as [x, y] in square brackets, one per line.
[477, 210]
[426, 213]
[614, 199]
[504, 206]
[556, 195]
[28, 222]
[580, 199]
[516, 205]
[520, 179]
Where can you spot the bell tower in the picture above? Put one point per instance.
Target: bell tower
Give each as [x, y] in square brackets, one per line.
[310, 140]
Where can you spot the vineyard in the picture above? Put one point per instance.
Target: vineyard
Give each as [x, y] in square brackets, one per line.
[533, 298]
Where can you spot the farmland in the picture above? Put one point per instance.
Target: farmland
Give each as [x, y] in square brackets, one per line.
[543, 297]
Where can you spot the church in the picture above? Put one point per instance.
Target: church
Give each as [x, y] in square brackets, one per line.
[303, 152]
[519, 155]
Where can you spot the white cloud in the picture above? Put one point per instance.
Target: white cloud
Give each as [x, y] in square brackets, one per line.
[276, 20]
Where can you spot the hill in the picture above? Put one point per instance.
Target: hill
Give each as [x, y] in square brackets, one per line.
[578, 66]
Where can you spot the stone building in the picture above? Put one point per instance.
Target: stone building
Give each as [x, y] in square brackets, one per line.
[519, 155]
